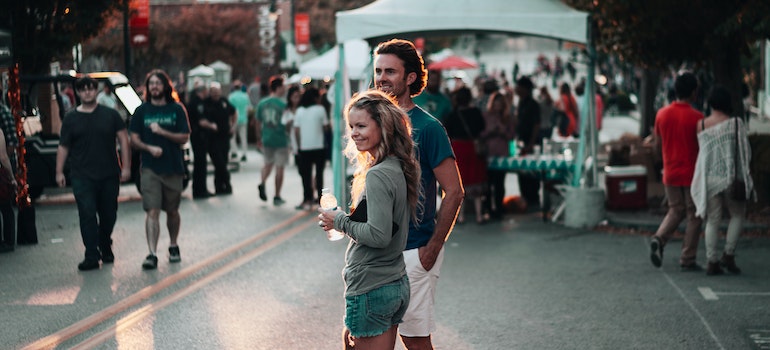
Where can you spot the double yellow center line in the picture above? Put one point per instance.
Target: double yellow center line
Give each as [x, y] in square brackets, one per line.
[54, 340]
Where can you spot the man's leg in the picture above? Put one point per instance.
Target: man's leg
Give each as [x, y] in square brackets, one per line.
[278, 180]
[85, 198]
[173, 222]
[152, 227]
[108, 214]
[675, 214]
[242, 134]
[199, 165]
[691, 233]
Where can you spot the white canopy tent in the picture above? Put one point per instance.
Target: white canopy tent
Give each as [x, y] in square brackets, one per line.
[357, 53]
[386, 19]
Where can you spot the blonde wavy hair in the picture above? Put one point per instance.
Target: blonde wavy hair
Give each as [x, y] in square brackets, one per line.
[396, 141]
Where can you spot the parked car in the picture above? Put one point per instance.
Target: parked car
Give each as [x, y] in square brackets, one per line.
[41, 144]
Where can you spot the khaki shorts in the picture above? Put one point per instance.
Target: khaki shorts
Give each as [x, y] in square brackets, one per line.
[419, 319]
[277, 156]
[161, 191]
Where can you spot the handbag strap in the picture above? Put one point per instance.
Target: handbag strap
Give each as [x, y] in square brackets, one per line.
[465, 125]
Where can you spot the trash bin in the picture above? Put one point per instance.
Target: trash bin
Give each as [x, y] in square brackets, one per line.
[626, 187]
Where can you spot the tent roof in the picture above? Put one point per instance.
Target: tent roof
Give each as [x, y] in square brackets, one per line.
[356, 58]
[201, 71]
[383, 19]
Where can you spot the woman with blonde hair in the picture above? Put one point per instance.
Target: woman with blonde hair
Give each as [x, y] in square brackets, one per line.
[385, 190]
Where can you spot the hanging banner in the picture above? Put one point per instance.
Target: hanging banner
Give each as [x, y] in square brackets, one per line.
[302, 33]
[139, 23]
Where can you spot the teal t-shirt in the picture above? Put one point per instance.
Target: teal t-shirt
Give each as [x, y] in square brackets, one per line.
[172, 117]
[240, 100]
[437, 105]
[269, 112]
[433, 147]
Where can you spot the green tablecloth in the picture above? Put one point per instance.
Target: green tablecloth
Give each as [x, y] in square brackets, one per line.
[554, 167]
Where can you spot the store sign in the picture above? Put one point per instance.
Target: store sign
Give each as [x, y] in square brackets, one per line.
[139, 23]
[267, 36]
[302, 32]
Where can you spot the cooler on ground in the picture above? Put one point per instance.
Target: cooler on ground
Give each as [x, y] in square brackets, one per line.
[626, 187]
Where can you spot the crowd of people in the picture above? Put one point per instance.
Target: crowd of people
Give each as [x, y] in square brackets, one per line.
[408, 142]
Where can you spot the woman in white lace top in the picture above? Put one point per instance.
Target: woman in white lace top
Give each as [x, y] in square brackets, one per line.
[718, 164]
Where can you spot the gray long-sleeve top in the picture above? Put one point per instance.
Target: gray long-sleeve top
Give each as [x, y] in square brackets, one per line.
[374, 255]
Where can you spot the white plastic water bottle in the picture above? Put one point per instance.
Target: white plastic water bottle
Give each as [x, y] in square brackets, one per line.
[329, 203]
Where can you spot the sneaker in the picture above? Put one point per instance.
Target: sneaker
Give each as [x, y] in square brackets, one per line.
[86, 265]
[278, 201]
[107, 255]
[691, 267]
[656, 251]
[150, 262]
[173, 254]
[262, 194]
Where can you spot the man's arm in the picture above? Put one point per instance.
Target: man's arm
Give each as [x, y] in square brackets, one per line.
[176, 137]
[61, 156]
[448, 177]
[125, 155]
[136, 143]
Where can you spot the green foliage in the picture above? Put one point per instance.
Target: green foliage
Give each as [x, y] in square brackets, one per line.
[45, 29]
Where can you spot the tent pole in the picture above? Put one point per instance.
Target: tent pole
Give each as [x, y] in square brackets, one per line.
[339, 177]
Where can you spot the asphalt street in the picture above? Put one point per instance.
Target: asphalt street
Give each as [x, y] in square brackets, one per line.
[256, 276]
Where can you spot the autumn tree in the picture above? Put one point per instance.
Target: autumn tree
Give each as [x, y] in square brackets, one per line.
[186, 36]
[660, 34]
[46, 29]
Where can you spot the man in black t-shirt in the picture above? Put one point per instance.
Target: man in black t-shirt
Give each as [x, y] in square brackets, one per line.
[88, 135]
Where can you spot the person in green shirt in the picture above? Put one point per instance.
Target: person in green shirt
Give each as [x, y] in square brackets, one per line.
[240, 100]
[273, 138]
[432, 100]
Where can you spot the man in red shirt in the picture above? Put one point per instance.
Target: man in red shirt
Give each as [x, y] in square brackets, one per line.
[676, 137]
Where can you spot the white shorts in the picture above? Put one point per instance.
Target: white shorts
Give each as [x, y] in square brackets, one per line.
[419, 320]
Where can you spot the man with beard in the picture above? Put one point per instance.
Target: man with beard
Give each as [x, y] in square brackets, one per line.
[158, 129]
[400, 71]
[88, 136]
[221, 113]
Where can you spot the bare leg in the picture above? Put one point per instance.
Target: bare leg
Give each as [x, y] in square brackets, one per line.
[477, 206]
[417, 343]
[173, 222]
[266, 170]
[278, 180]
[152, 229]
[385, 340]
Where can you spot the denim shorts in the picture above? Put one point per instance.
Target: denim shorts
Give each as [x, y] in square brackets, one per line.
[373, 313]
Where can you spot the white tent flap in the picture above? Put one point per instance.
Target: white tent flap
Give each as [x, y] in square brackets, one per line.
[547, 18]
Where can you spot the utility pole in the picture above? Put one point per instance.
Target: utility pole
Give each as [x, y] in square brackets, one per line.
[126, 44]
